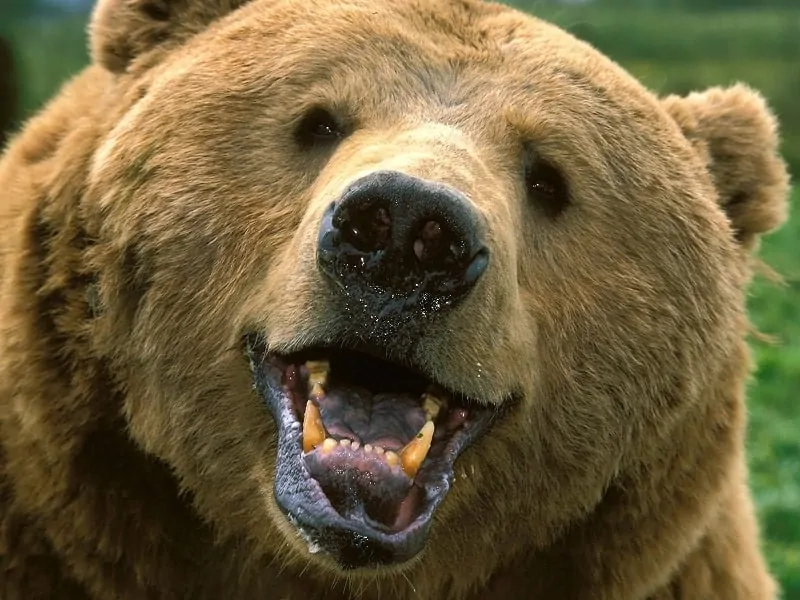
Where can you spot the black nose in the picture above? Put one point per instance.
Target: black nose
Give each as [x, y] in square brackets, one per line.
[404, 237]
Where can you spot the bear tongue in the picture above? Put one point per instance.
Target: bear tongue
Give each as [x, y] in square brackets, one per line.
[386, 420]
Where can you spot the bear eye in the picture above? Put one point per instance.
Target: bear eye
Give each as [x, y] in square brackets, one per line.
[545, 186]
[318, 129]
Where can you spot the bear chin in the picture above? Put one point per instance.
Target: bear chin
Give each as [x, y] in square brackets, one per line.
[366, 447]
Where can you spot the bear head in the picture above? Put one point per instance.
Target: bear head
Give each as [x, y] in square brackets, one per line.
[381, 280]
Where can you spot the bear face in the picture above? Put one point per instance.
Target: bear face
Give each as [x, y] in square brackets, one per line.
[407, 289]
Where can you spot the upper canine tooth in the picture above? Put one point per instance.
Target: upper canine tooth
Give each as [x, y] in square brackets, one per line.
[318, 371]
[431, 405]
[414, 453]
[317, 391]
[313, 430]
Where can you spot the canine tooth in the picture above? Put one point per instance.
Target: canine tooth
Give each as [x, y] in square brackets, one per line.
[392, 458]
[318, 371]
[367, 447]
[416, 450]
[317, 391]
[431, 405]
[313, 430]
[329, 444]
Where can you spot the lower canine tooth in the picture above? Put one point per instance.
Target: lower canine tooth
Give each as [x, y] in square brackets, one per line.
[313, 430]
[414, 453]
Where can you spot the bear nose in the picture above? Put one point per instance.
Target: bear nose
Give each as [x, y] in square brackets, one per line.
[394, 234]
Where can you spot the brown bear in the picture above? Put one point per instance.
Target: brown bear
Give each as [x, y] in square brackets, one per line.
[376, 299]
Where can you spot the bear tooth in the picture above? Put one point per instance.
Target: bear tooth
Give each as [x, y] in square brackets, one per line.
[414, 453]
[318, 365]
[367, 448]
[392, 459]
[317, 391]
[344, 442]
[329, 444]
[431, 405]
[313, 430]
[355, 445]
[318, 371]
[378, 449]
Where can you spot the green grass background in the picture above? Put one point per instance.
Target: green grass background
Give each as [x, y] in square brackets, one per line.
[670, 52]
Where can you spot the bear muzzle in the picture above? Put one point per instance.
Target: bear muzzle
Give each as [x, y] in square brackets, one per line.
[403, 244]
[366, 448]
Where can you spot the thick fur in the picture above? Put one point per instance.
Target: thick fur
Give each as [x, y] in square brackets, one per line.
[159, 207]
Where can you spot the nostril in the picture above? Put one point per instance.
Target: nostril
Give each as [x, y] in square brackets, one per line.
[366, 228]
[428, 240]
[435, 245]
[381, 226]
[431, 234]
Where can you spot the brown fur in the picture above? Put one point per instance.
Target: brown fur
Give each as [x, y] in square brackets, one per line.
[157, 208]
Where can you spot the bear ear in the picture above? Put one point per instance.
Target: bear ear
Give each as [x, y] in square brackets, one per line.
[736, 135]
[121, 30]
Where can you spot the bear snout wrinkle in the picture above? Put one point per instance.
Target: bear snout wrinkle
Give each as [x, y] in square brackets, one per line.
[407, 243]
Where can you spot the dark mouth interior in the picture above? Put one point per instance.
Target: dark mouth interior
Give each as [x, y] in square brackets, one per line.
[365, 439]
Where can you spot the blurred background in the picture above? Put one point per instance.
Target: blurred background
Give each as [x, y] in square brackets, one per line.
[673, 46]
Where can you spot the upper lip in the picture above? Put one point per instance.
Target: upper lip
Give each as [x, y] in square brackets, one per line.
[305, 503]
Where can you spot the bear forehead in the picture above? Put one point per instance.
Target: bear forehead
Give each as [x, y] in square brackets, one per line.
[448, 51]
[501, 77]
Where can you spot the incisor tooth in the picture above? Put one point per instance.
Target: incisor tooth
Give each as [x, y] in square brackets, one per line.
[313, 430]
[392, 458]
[329, 444]
[416, 450]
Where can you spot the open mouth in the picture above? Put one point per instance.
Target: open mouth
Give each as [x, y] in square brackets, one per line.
[366, 449]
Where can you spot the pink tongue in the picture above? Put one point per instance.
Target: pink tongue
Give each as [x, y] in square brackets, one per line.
[386, 420]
